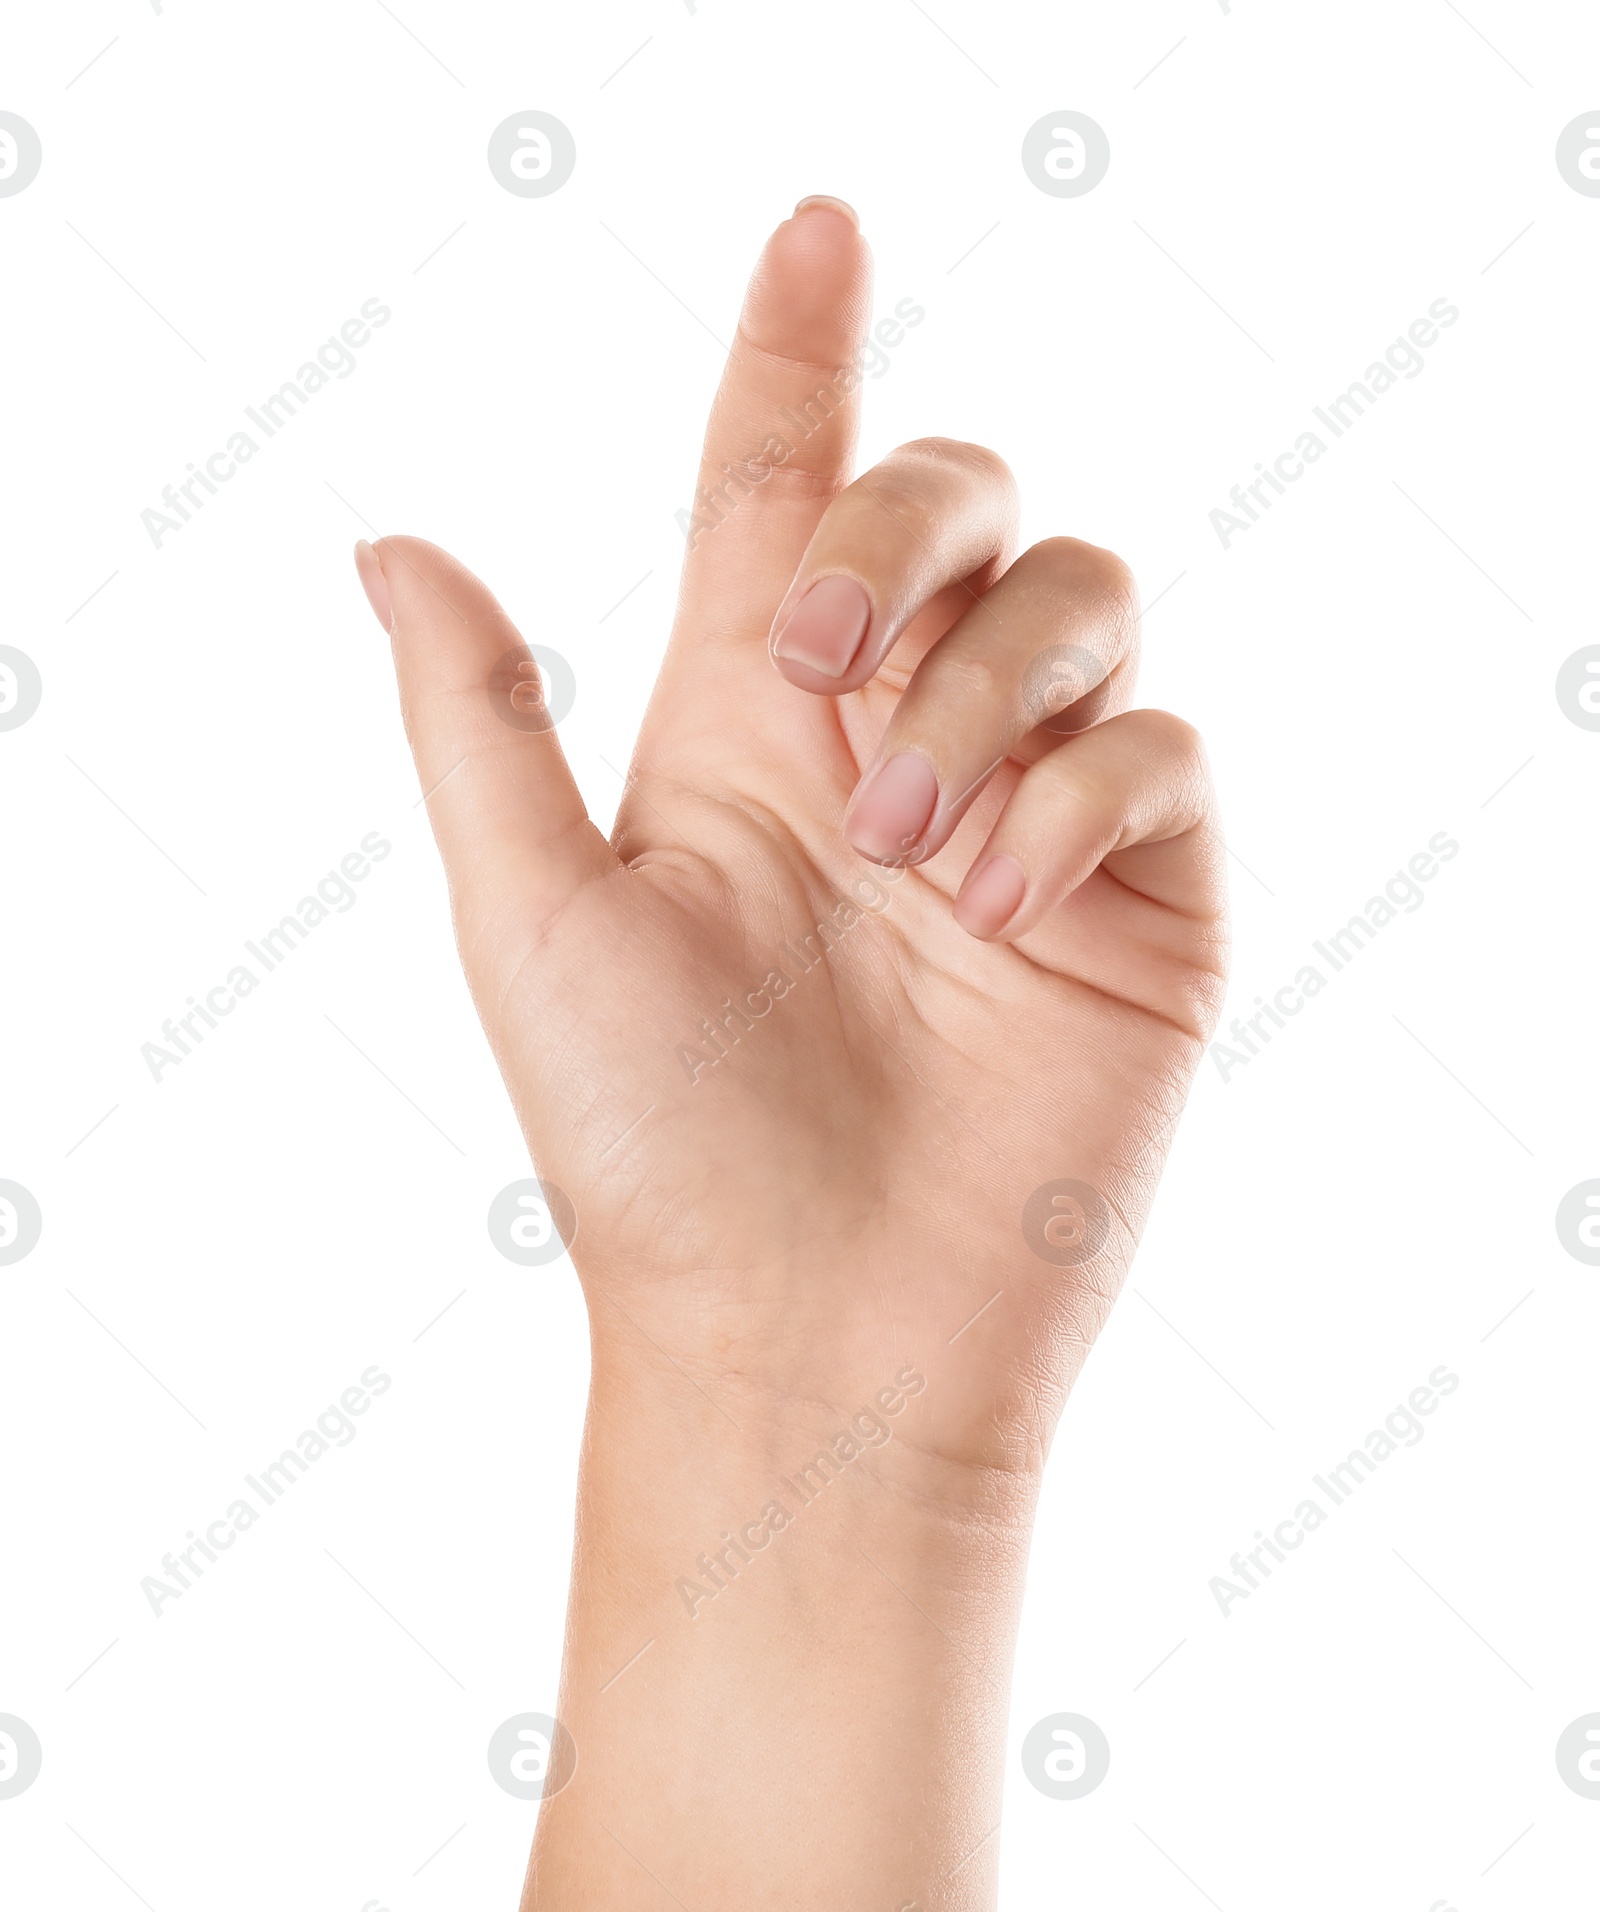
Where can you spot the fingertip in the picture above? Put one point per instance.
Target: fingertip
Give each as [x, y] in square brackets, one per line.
[369, 568]
[809, 295]
[817, 637]
[424, 580]
[991, 896]
[830, 204]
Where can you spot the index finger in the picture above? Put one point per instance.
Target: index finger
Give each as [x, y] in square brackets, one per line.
[781, 437]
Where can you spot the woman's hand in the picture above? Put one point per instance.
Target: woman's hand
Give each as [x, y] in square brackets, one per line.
[907, 916]
[800, 1100]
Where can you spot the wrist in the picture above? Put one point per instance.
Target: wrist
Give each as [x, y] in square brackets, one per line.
[708, 1479]
[758, 1570]
[890, 1430]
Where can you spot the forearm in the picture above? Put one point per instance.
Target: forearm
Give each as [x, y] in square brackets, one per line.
[785, 1677]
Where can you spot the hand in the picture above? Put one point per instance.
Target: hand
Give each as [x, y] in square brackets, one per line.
[906, 916]
[787, 1164]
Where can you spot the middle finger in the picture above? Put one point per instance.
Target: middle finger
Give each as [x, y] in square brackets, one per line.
[1052, 645]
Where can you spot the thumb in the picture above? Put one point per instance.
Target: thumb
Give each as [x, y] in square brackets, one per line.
[510, 823]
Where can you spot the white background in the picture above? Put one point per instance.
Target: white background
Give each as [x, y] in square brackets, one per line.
[1367, 1199]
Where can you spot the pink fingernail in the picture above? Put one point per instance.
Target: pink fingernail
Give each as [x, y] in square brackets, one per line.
[827, 201]
[825, 629]
[991, 896]
[373, 582]
[890, 811]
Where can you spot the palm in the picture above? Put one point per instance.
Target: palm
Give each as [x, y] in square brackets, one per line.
[797, 1048]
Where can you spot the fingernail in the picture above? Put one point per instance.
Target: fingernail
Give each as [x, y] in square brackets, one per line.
[827, 201]
[825, 629]
[373, 582]
[991, 896]
[890, 811]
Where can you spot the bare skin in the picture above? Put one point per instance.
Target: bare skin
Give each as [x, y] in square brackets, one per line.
[800, 1171]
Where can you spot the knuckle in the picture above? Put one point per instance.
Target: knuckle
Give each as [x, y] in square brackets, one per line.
[1094, 581]
[914, 507]
[792, 478]
[1174, 736]
[975, 464]
[1074, 564]
[1073, 786]
[939, 489]
[1174, 756]
[966, 678]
